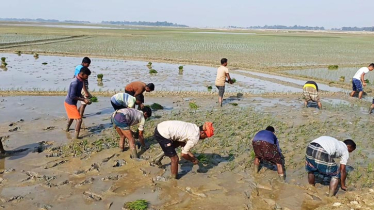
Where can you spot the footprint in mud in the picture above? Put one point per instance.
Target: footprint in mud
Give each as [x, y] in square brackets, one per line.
[54, 164]
[85, 182]
[119, 163]
[91, 195]
[14, 129]
[49, 128]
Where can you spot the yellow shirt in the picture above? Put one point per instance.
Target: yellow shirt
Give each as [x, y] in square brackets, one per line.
[310, 85]
[221, 75]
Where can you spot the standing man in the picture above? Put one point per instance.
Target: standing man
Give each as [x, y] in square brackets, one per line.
[86, 94]
[320, 155]
[172, 134]
[124, 100]
[358, 81]
[122, 120]
[266, 148]
[75, 95]
[310, 92]
[222, 74]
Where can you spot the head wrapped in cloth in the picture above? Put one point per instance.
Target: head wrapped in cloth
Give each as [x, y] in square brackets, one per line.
[208, 129]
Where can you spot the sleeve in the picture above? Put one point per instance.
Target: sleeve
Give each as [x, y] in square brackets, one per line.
[141, 124]
[344, 158]
[131, 102]
[188, 147]
[226, 70]
[366, 70]
[277, 143]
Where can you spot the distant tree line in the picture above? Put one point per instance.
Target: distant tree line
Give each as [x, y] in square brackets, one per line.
[144, 23]
[284, 27]
[41, 20]
[354, 29]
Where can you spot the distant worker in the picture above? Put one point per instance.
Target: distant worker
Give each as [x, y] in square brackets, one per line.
[124, 100]
[222, 74]
[310, 92]
[86, 62]
[123, 119]
[266, 148]
[358, 80]
[320, 155]
[138, 88]
[75, 95]
[173, 134]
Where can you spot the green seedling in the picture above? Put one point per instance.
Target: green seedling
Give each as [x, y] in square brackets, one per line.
[210, 88]
[18, 53]
[332, 67]
[100, 77]
[149, 64]
[203, 159]
[234, 104]
[367, 81]
[156, 106]
[193, 105]
[45, 63]
[94, 99]
[342, 78]
[3, 59]
[233, 80]
[136, 205]
[153, 71]
[36, 55]
[180, 67]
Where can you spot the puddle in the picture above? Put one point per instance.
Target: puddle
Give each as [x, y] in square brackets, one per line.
[296, 81]
[27, 73]
[333, 75]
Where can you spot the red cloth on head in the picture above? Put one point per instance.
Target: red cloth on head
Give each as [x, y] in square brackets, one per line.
[209, 130]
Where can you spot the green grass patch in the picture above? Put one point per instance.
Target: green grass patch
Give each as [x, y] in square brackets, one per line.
[332, 67]
[203, 158]
[136, 205]
[153, 71]
[193, 105]
[234, 104]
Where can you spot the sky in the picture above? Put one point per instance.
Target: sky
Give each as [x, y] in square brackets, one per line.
[201, 13]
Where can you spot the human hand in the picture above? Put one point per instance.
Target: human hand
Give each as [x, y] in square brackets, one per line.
[364, 84]
[87, 101]
[195, 161]
[344, 188]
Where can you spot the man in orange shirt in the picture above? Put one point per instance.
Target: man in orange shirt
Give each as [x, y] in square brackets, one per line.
[138, 88]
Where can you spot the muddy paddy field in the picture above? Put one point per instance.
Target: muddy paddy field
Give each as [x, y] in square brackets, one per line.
[51, 170]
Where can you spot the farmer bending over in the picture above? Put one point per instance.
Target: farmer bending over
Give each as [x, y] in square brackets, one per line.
[358, 81]
[266, 148]
[310, 92]
[75, 95]
[122, 119]
[124, 100]
[172, 134]
[320, 155]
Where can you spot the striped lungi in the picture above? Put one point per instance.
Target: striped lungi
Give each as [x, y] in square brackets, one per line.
[319, 161]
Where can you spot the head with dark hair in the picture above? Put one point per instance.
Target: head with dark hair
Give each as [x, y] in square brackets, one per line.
[139, 99]
[84, 73]
[147, 111]
[371, 67]
[224, 61]
[86, 62]
[150, 87]
[270, 128]
[351, 145]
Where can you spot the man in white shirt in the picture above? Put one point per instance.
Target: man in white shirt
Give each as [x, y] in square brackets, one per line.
[222, 74]
[172, 134]
[123, 119]
[320, 155]
[358, 80]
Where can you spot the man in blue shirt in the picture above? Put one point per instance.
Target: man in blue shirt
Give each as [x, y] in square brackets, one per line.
[266, 148]
[86, 94]
[74, 95]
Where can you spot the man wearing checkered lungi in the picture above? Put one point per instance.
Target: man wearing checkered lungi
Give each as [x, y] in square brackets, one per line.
[320, 155]
[310, 93]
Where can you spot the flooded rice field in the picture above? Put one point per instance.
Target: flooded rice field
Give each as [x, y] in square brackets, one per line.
[27, 73]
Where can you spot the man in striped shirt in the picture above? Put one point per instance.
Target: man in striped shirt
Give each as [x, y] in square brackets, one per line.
[124, 100]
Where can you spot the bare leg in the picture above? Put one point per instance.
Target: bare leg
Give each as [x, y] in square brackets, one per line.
[311, 179]
[121, 139]
[2, 150]
[280, 171]
[78, 127]
[128, 135]
[305, 103]
[81, 109]
[352, 93]
[333, 186]
[257, 164]
[70, 121]
[220, 99]
[371, 108]
[174, 166]
[319, 105]
[360, 94]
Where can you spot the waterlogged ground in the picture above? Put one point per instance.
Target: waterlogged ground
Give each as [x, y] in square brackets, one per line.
[56, 172]
[27, 73]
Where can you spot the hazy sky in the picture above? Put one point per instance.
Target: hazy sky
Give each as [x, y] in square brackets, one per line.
[200, 13]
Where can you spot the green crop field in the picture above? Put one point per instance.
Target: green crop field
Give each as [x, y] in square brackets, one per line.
[268, 50]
